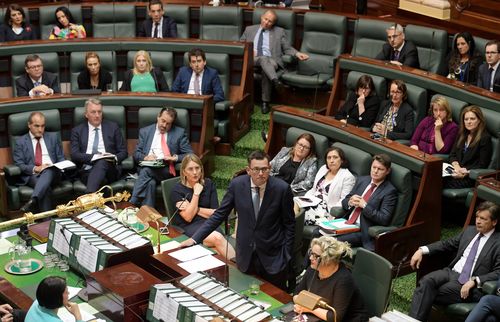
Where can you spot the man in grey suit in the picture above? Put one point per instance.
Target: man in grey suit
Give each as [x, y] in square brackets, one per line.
[34, 153]
[477, 260]
[160, 141]
[270, 44]
[488, 73]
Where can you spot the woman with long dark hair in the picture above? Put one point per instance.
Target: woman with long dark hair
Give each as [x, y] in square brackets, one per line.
[66, 26]
[464, 59]
[15, 27]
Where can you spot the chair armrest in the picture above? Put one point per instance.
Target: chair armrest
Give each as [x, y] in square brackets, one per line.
[337, 212]
[12, 170]
[223, 106]
[128, 163]
[489, 287]
[374, 231]
[288, 59]
[475, 173]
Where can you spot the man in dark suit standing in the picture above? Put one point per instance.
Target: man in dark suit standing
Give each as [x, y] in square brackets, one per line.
[34, 153]
[477, 260]
[36, 82]
[266, 222]
[270, 44]
[97, 147]
[371, 202]
[397, 50]
[160, 141]
[489, 73]
[198, 78]
[157, 25]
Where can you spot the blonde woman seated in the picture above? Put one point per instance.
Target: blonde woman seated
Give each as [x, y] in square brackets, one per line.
[297, 165]
[144, 77]
[332, 183]
[328, 277]
[66, 27]
[436, 133]
[196, 198]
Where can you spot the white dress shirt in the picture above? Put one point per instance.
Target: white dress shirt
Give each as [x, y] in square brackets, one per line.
[100, 147]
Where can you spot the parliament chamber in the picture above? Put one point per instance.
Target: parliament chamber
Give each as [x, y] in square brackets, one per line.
[341, 46]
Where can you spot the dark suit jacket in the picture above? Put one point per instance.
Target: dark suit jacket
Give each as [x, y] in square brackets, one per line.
[278, 42]
[405, 120]
[483, 78]
[210, 84]
[113, 142]
[408, 55]
[379, 208]
[476, 157]
[350, 111]
[169, 28]
[176, 140]
[104, 79]
[160, 82]
[7, 34]
[487, 266]
[24, 84]
[24, 156]
[271, 236]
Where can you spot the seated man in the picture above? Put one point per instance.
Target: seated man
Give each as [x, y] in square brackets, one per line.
[488, 73]
[198, 79]
[157, 25]
[36, 82]
[160, 141]
[397, 50]
[488, 308]
[34, 153]
[477, 260]
[371, 202]
[270, 44]
[97, 147]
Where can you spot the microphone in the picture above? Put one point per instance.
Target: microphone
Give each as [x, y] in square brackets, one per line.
[396, 276]
[312, 301]
[183, 200]
[430, 52]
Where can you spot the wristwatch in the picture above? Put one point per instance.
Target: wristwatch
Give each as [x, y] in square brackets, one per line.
[475, 279]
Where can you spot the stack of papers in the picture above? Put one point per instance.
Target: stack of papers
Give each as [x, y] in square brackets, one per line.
[196, 259]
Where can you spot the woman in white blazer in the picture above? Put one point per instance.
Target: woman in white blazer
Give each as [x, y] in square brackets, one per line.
[331, 184]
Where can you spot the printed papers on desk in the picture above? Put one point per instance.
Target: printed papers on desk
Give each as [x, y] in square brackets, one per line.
[196, 259]
[337, 227]
[89, 239]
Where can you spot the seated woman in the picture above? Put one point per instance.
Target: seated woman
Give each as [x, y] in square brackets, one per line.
[52, 294]
[437, 132]
[94, 77]
[328, 277]
[297, 165]
[361, 106]
[66, 26]
[144, 77]
[15, 26]
[472, 150]
[395, 116]
[464, 60]
[196, 199]
[332, 183]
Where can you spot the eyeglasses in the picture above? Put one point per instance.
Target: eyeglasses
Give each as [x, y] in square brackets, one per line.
[491, 52]
[35, 66]
[315, 256]
[393, 36]
[302, 146]
[259, 170]
[396, 92]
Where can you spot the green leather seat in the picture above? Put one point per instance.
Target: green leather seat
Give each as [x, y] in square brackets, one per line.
[147, 116]
[164, 60]
[50, 64]
[17, 195]
[373, 275]
[480, 44]
[323, 40]
[77, 65]
[220, 23]
[321, 146]
[220, 62]
[417, 98]
[432, 45]
[47, 18]
[369, 37]
[166, 188]
[379, 82]
[115, 114]
[180, 14]
[113, 21]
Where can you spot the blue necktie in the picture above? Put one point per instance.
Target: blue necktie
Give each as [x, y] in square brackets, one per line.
[467, 269]
[96, 141]
[256, 201]
[260, 43]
